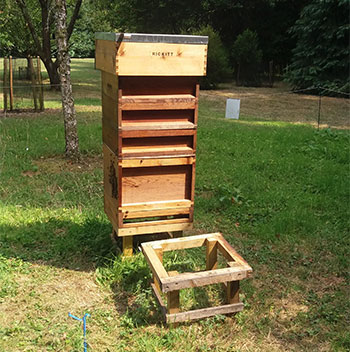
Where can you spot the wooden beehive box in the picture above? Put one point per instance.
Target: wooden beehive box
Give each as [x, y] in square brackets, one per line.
[149, 122]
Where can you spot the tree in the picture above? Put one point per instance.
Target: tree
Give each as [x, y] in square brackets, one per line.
[39, 22]
[70, 122]
[218, 69]
[247, 56]
[321, 56]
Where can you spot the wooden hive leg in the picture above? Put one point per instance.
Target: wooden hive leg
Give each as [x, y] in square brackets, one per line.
[127, 246]
[211, 254]
[173, 302]
[159, 251]
[232, 292]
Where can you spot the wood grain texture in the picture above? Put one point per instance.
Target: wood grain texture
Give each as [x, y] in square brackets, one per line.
[106, 56]
[141, 229]
[161, 59]
[204, 313]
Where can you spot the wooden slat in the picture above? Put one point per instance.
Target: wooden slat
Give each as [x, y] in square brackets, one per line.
[157, 222]
[180, 203]
[211, 253]
[127, 246]
[154, 263]
[230, 253]
[159, 299]
[144, 230]
[188, 280]
[158, 102]
[156, 162]
[155, 213]
[204, 313]
[157, 126]
[156, 151]
[125, 133]
[182, 242]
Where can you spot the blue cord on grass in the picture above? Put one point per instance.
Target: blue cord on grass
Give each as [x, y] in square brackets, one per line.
[84, 326]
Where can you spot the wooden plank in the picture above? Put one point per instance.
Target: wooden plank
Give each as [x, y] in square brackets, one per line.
[155, 213]
[188, 280]
[163, 183]
[156, 162]
[183, 242]
[157, 222]
[127, 246]
[178, 203]
[232, 292]
[158, 102]
[106, 56]
[163, 307]
[230, 253]
[110, 135]
[110, 110]
[161, 59]
[173, 302]
[109, 85]
[143, 230]
[211, 253]
[165, 131]
[132, 152]
[157, 126]
[154, 263]
[204, 313]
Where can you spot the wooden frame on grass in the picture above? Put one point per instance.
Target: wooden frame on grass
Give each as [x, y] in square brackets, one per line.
[171, 282]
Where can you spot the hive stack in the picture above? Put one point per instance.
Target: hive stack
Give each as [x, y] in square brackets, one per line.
[149, 129]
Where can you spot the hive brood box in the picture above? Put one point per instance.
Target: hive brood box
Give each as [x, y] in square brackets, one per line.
[149, 122]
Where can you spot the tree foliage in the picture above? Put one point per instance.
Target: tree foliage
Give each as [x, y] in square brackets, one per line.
[321, 56]
[218, 69]
[247, 56]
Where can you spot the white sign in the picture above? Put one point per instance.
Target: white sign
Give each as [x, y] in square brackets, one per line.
[232, 108]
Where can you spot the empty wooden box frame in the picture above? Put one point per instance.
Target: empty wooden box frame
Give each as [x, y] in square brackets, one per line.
[149, 123]
[170, 282]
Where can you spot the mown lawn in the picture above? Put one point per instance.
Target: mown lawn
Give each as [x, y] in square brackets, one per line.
[277, 190]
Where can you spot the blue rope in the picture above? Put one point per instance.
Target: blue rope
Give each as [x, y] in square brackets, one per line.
[84, 326]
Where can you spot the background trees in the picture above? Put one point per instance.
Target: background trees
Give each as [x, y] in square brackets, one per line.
[321, 55]
[309, 36]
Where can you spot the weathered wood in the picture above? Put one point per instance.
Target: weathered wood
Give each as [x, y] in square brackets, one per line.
[197, 279]
[156, 222]
[162, 130]
[179, 203]
[145, 228]
[232, 292]
[159, 253]
[32, 77]
[6, 83]
[204, 313]
[40, 83]
[158, 102]
[211, 254]
[155, 264]
[11, 82]
[173, 302]
[158, 296]
[143, 162]
[127, 246]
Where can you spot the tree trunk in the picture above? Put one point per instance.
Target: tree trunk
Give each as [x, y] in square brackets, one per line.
[51, 68]
[70, 122]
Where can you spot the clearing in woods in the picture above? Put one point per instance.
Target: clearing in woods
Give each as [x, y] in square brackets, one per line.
[275, 186]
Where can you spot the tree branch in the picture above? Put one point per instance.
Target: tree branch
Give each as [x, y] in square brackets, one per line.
[22, 5]
[73, 19]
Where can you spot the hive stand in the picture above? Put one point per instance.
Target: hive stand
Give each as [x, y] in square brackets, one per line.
[171, 282]
[149, 127]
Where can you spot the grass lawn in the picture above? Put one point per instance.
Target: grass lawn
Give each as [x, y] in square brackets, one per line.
[274, 185]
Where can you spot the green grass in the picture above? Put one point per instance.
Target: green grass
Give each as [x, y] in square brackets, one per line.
[278, 191]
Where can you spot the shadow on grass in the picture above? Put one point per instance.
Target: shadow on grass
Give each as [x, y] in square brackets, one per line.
[64, 244]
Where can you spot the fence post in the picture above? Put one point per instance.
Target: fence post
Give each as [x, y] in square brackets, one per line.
[5, 83]
[11, 83]
[319, 108]
[32, 77]
[41, 88]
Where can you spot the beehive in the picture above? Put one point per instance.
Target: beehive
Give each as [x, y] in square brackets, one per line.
[149, 122]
